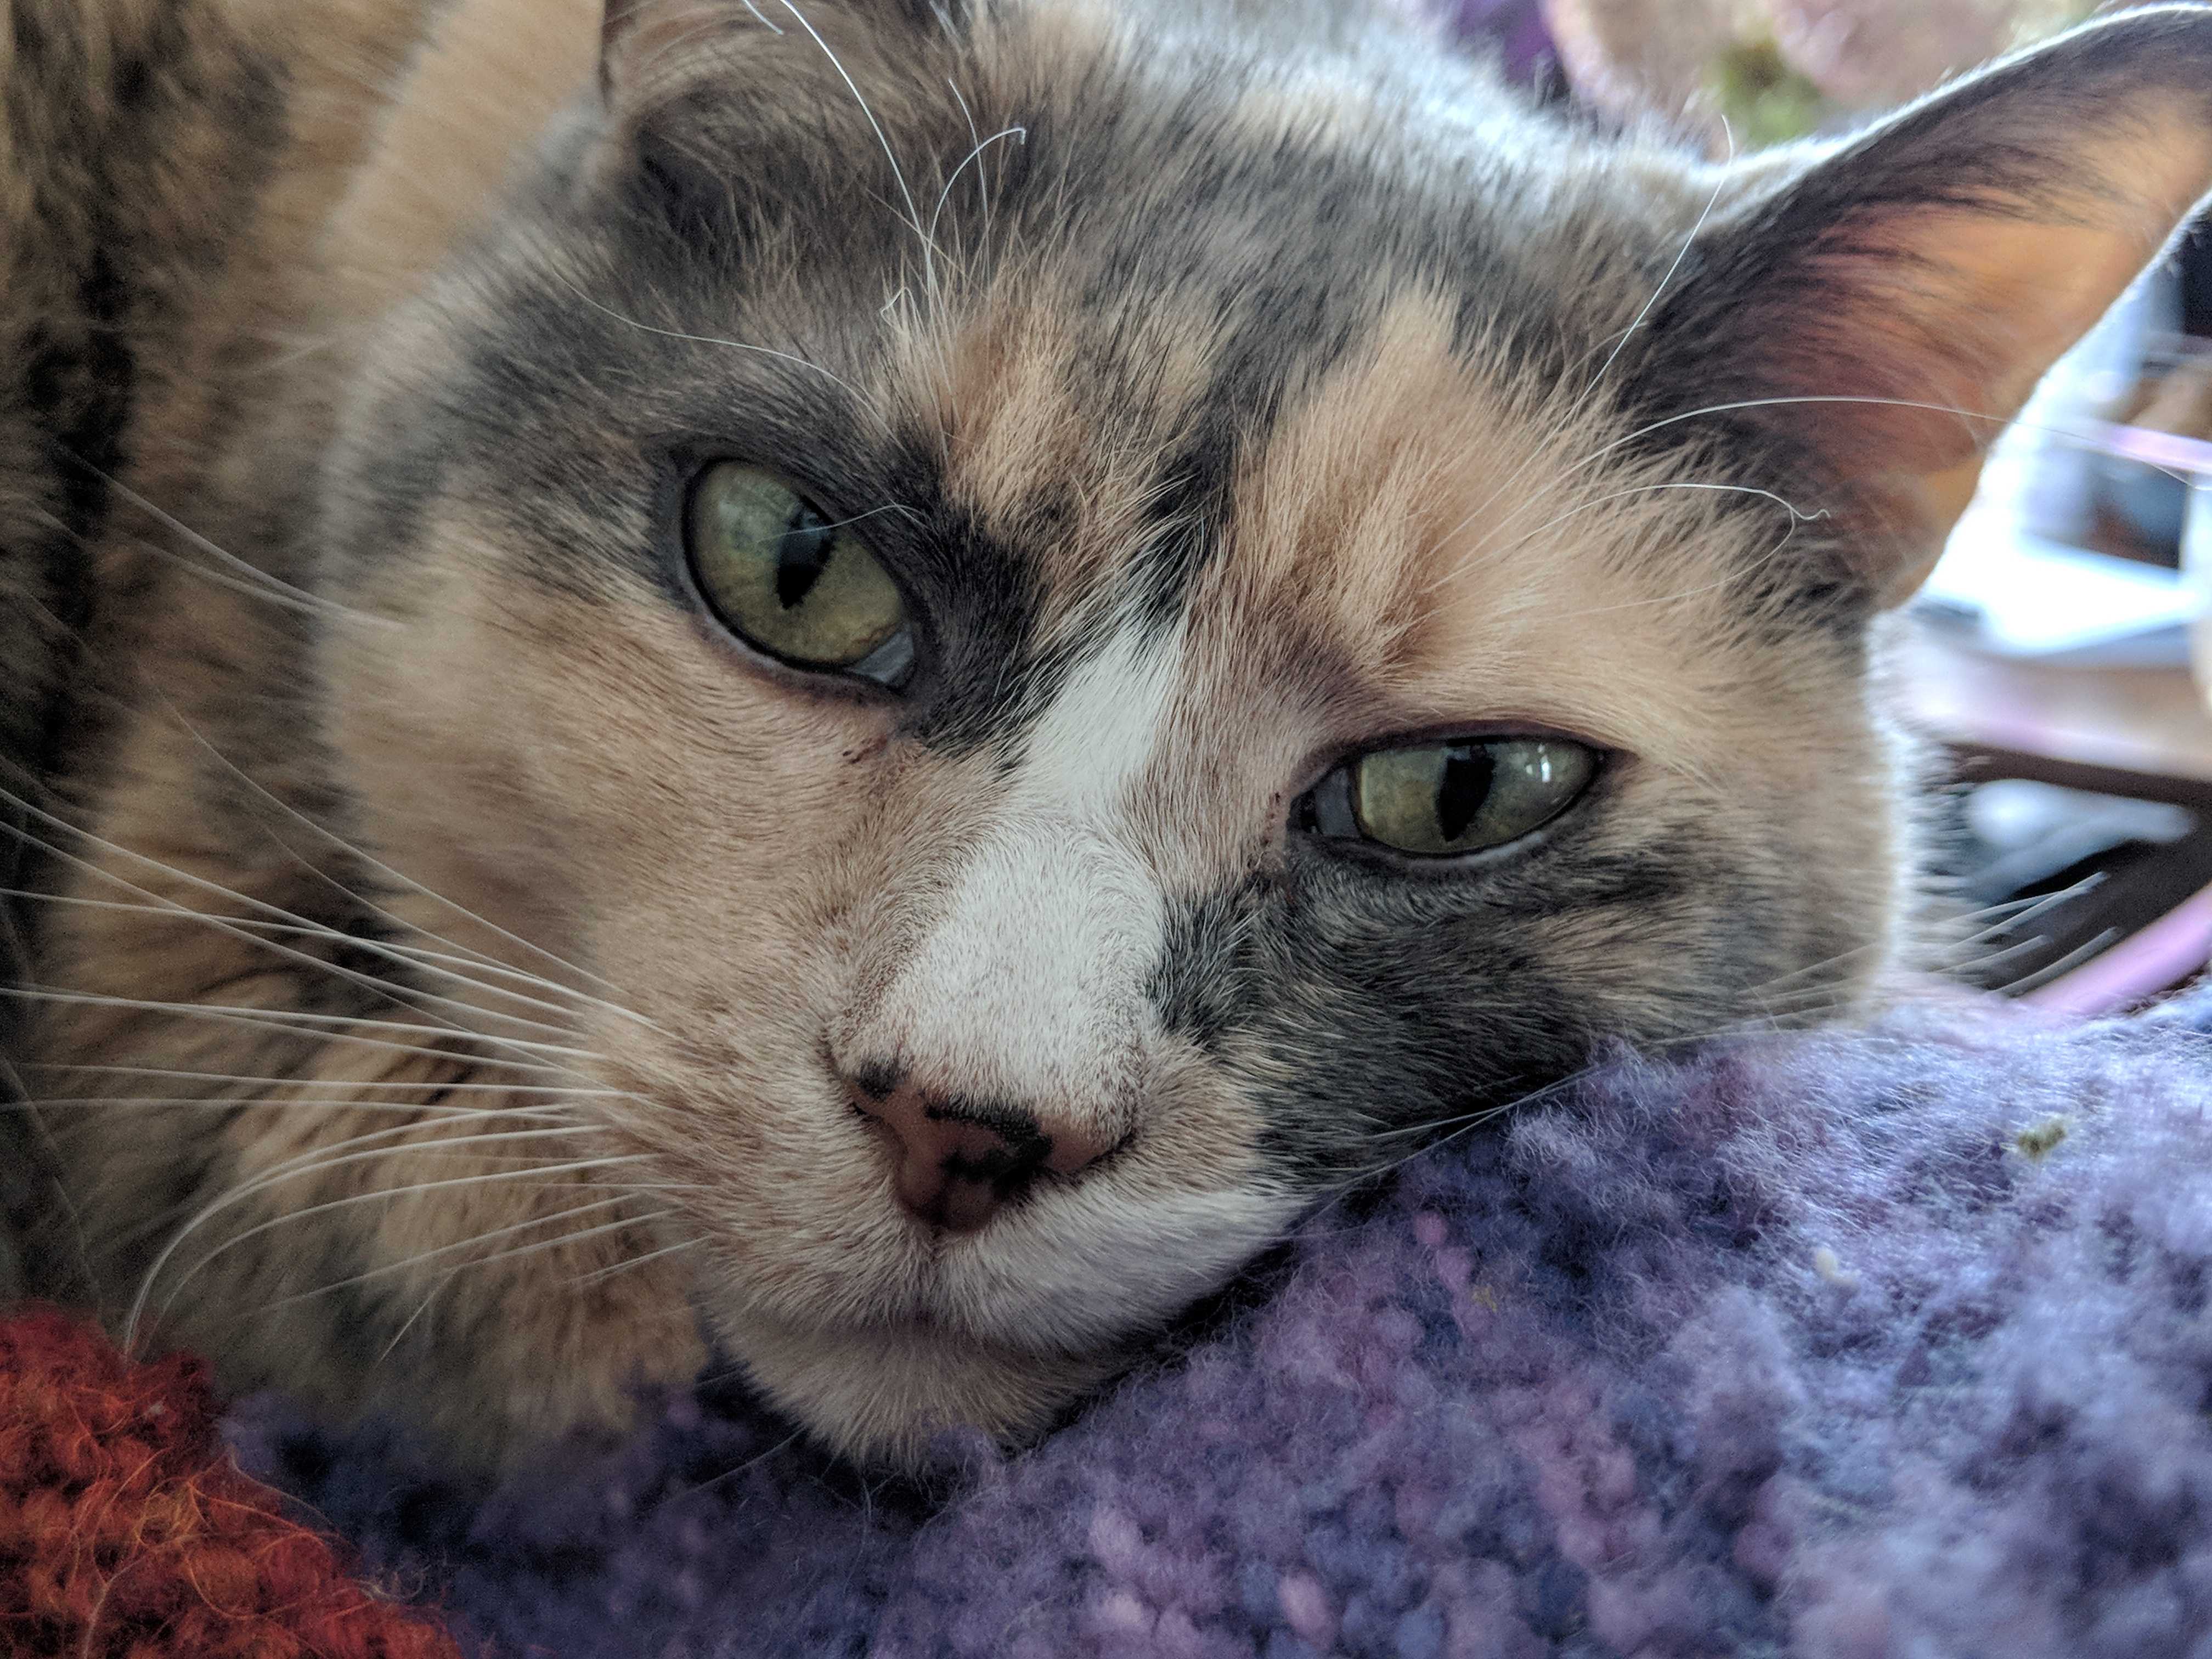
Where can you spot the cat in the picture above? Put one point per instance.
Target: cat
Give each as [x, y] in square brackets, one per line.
[874, 684]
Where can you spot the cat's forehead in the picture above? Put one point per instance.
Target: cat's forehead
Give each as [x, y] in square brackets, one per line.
[1411, 532]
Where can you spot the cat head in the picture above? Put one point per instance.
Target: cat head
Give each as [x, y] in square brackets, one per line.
[1093, 621]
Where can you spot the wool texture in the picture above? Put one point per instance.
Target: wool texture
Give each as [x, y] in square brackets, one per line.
[127, 1531]
[1840, 1345]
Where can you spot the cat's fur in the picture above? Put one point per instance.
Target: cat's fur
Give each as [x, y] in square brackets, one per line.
[465, 967]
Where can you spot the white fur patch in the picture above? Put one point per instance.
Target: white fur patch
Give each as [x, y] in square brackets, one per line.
[1090, 1266]
[1029, 985]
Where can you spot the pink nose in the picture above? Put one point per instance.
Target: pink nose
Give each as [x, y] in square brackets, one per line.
[960, 1160]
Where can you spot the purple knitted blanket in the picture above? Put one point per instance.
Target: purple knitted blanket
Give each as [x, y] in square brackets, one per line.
[1893, 1343]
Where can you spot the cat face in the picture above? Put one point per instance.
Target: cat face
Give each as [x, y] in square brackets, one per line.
[1092, 626]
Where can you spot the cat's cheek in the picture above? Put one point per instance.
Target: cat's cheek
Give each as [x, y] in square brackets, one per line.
[565, 770]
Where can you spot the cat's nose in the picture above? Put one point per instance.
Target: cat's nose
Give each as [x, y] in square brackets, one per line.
[961, 1160]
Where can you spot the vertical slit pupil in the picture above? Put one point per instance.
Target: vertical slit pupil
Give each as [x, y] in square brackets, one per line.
[1463, 787]
[802, 554]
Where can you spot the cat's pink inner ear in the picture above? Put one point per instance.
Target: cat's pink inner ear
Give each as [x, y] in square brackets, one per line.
[1894, 309]
[1944, 326]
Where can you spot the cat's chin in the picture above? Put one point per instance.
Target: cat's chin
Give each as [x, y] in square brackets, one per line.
[882, 1396]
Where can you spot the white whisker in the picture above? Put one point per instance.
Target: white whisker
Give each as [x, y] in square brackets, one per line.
[735, 346]
[379, 988]
[385, 1268]
[375, 866]
[580, 1280]
[415, 1110]
[913, 213]
[273, 1020]
[258, 582]
[321, 1165]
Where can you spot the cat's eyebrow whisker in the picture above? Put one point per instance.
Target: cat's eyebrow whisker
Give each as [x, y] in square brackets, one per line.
[1720, 183]
[1559, 479]
[1020, 133]
[1582, 399]
[913, 213]
[858, 396]
[1481, 548]
[1665, 421]
[983, 174]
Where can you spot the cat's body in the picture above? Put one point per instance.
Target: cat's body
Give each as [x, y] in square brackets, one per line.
[480, 969]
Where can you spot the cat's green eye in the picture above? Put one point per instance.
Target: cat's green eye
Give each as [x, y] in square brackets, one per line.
[786, 579]
[1437, 800]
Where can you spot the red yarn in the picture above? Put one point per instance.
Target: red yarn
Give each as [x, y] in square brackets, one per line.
[126, 1532]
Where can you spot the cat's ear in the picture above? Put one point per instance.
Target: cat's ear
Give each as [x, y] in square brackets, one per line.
[1887, 308]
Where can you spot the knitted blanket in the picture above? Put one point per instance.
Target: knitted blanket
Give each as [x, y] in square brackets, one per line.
[1851, 1345]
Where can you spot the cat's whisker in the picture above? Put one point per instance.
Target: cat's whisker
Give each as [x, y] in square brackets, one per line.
[300, 1019]
[1741, 404]
[857, 395]
[249, 577]
[1979, 966]
[1943, 954]
[408, 1324]
[1581, 400]
[2029, 911]
[1020, 133]
[236, 585]
[1481, 548]
[1592, 458]
[486, 963]
[384, 1269]
[580, 1281]
[913, 213]
[762, 16]
[409, 996]
[983, 174]
[320, 1164]
[169, 906]
[274, 1021]
[1720, 183]
[345, 1085]
[754, 1462]
[415, 1110]
[567, 1239]
[473, 958]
